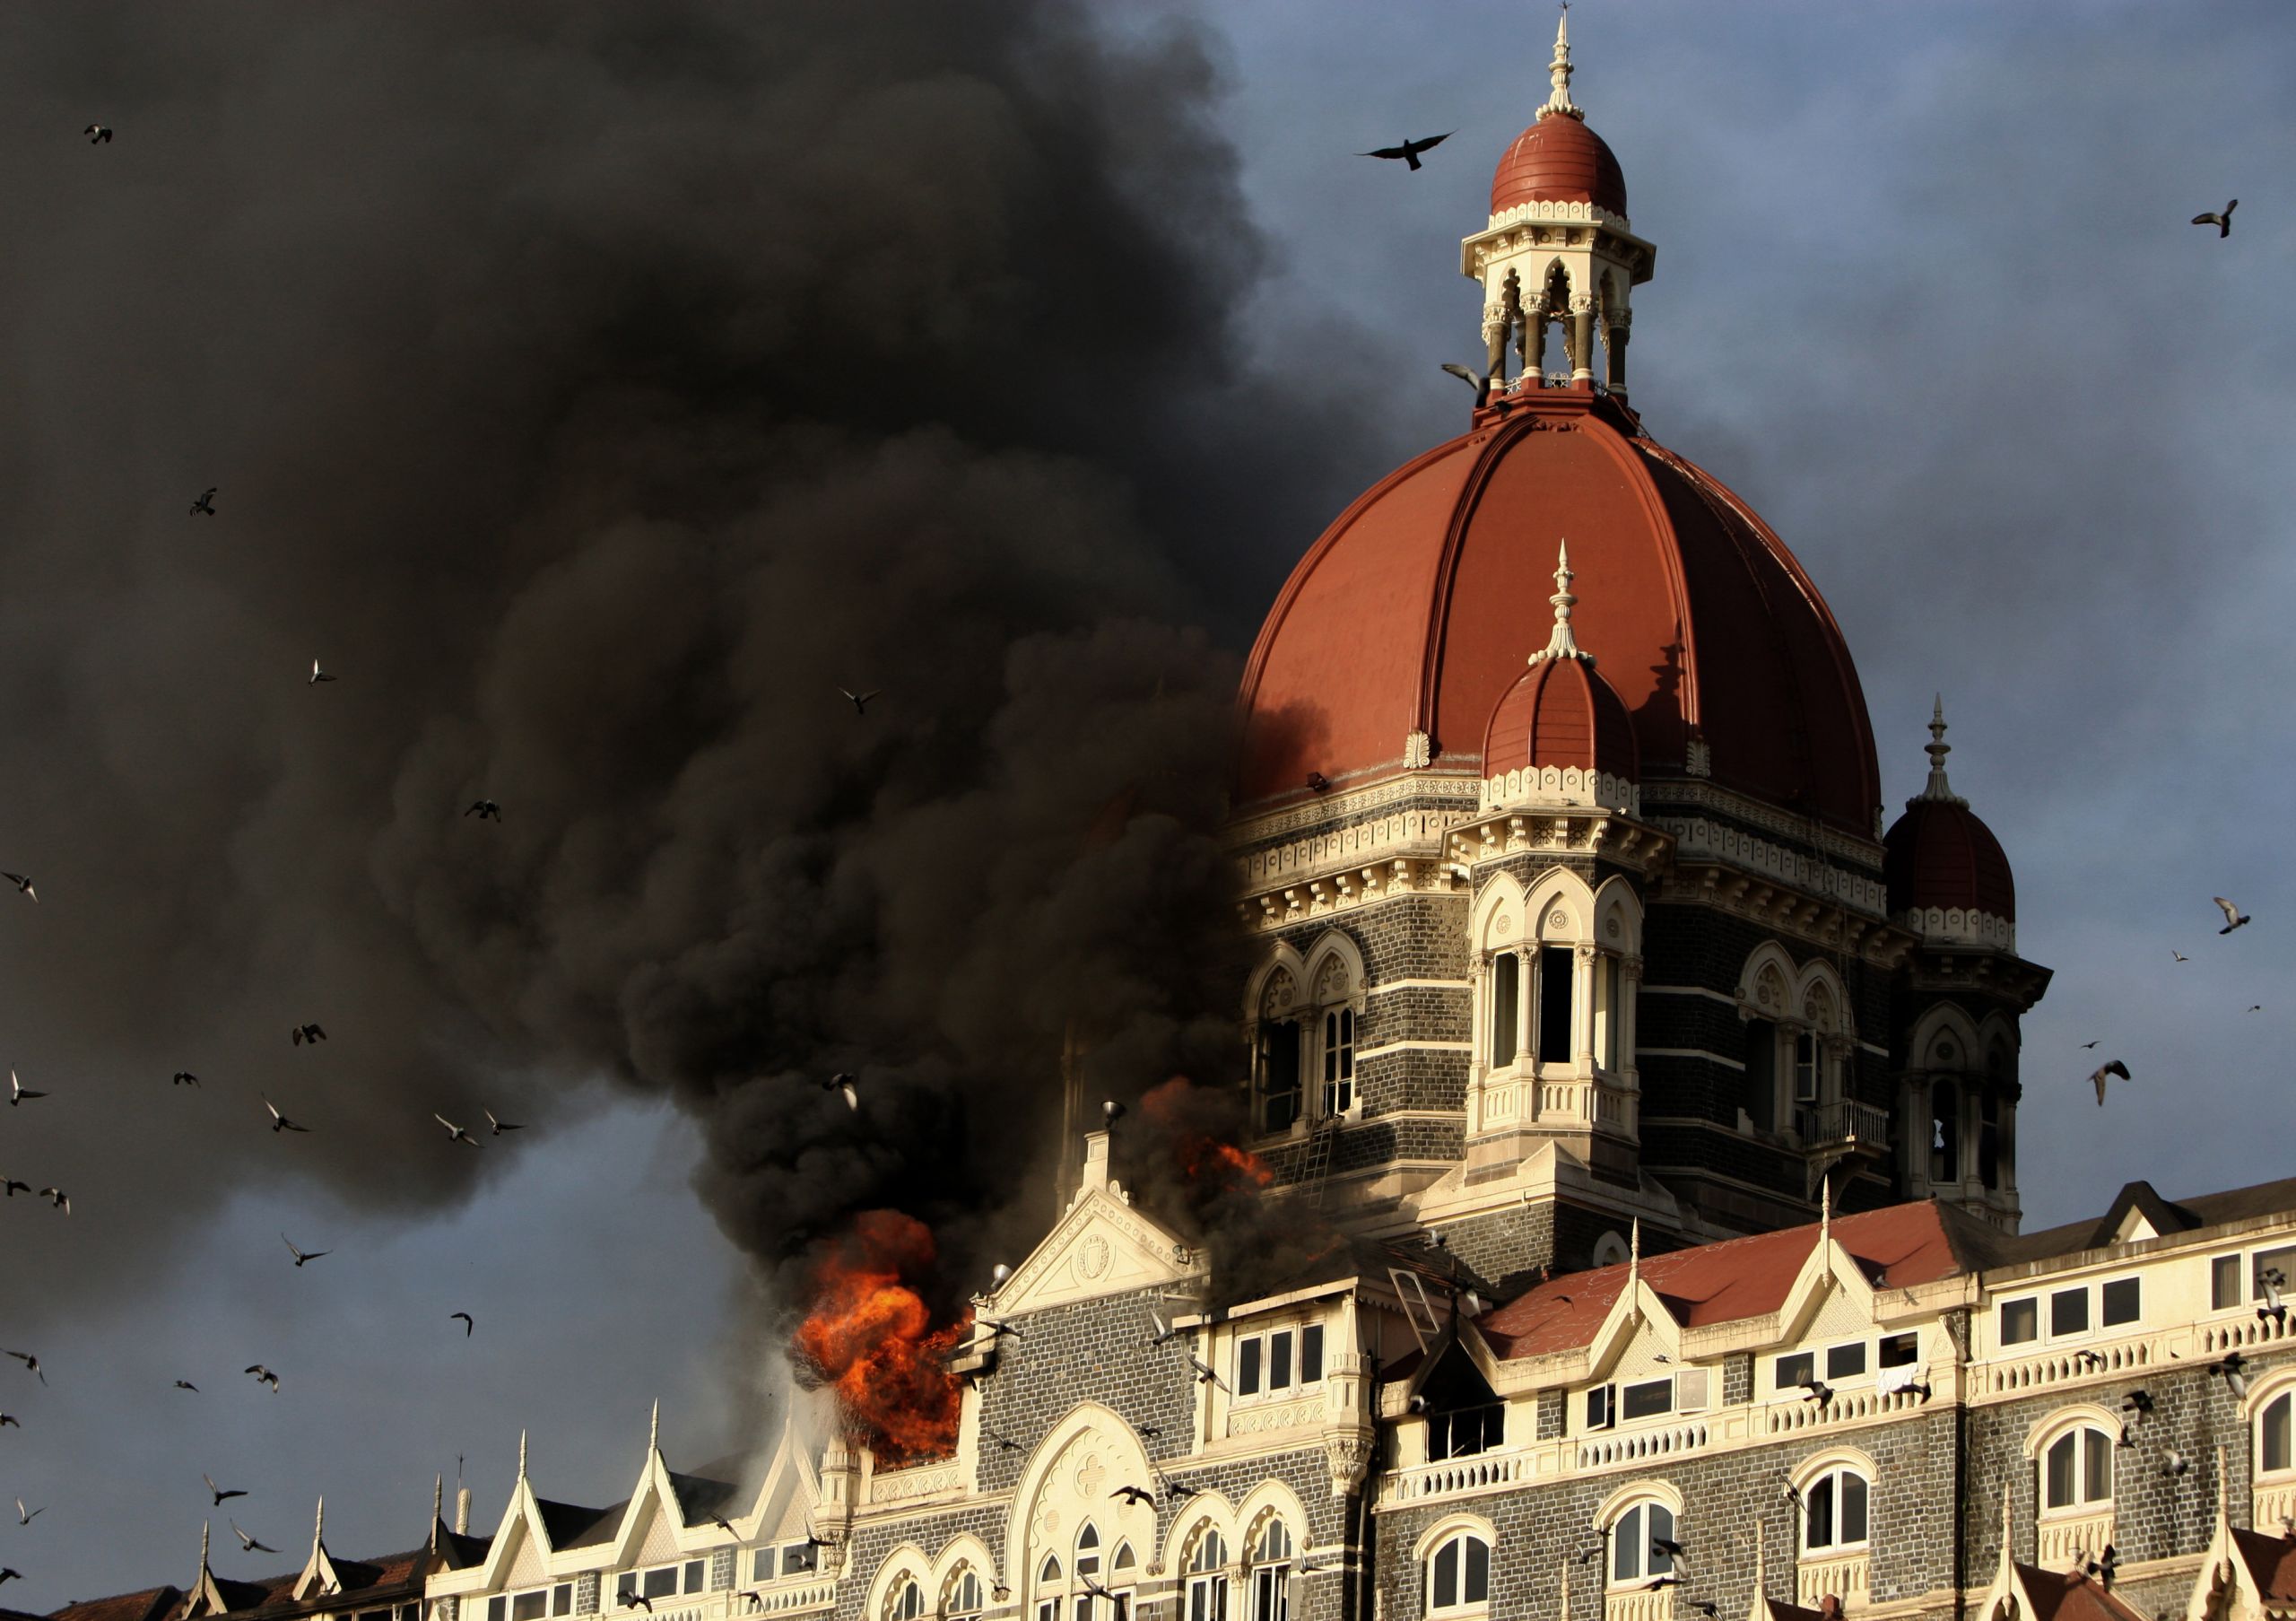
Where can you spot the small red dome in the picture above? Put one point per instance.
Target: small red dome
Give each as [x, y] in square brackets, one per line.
[1940, 856]
[1559, 160]
[1560, 712]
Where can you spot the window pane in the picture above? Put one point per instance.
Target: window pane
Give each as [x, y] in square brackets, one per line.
[498, 1609]
[1796, 1370]
[530, 1606]
[1478, 1571]
[2056, 1489]
[1279, 1360]
[1658, 1526]
[2068, 1311]
[1598, 1407]
[2121, 1301]
[1123, 1557]
[1818, 1500]
[1647, 1399]
[697, 1574]
[1247, 1352]
[2021, 1321]
[1311, 1353]
[1280, 1075]
[2276, 1434]
[2224, 1282]
[1554, 1004]
[2097, 1467]
[1853, 1507]
[1447, 1574]
[1506, 1007]
[799, 1556]
[1806, 1067]
[2279, 1264]
[1944, 1132]
[1845, 1361]
[1899, 1351]
[661, 1583]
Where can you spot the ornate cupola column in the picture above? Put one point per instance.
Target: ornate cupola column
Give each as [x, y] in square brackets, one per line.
[1558, 245]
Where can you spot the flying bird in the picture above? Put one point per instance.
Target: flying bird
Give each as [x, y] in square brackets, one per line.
[1410, 149]
[496, 1128]
[301, 1033]
[9, 1571]
[18, 1091]
[318, 674]
[280, 1122]
[31, 1362]
[249, 1544]
[1817, 1390]
[844, 1084]
[1205, 1374]
[2228, 1368]
[10, 1186]
[2256, 1008]
[2179, 955]
[2222, 220]
[1164, 1331]
[2176, 1464]
[184, 1077]
[455, 1133]
[185, 1384]
[1706, 1607]
[1657, 1583]
[205, 503]
[2234, 915]
[1133, 1494]
[2091, 1046]
[2110, 1068]
[2139, 1402]
[1004, 1443]
[22, 883]
[98, 135]
[1480, 381]
[263, 1375]
[631, 1598]
[1672, 1550]
[465, 1319]
[860, 700]
[59, 1198]
[485, 810]
[26, 1516]
[220, 1492]
[8, 1419]
[301, 1255]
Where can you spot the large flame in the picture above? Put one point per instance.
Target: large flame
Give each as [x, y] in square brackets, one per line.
[871, 1337]
[1204, 1158]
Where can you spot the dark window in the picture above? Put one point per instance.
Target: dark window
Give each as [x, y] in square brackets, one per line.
[2096, 1466]
[1819, 1502]
[2275, 1440]
[1599, 1408]
[1464, 1432]
[1988, 1139]
[1279, 1360]
[2021, 1321]
[1474, 1587]
[1311, 1353]
[1610, 1009]
[2122, 1301]
[1834, 1511]
[1648, 1400]
[1845, 1361]
[1506, 1007]
[1796, 1370]
[1898, 1350]
[561, 1599]
[1248, 1355]
[2068, 1311]
[661, 1583]
[1279, 1086]
[800, 1556]
[1554, 1004]
[1339, 1060]
[1459, 1574]
[2224, 1282]
[1944, 1132]
[1761, 1098]
[498, 1607]
[1806, 1067]
[762, 1564]
[697, 1574]
[531, 1606]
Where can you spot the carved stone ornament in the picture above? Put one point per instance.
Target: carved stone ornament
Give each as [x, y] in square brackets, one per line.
[1417, 750]
[1347, 1453]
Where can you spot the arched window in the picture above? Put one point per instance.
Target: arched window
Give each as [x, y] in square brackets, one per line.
[1207, 1580]
[1272, 1573]
[2077, 1470]
[1048, 1594]
[1459, 1574]
[2274, 1437]
[1639, 1539]
[1088, 1572]
[1276, 1058]
[1833, 1512]
[966, 1598]
[1339, 1060]
[906, 1602]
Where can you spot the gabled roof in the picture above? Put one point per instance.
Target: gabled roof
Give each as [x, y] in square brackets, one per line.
[2070, 1595]
[1904, 1245]
[2167, 1217]
[146, 1604]
[2270, 1564]
[571, 1525]
[701, 1497]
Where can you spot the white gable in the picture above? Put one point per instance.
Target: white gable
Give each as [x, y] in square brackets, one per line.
[1102, 1246]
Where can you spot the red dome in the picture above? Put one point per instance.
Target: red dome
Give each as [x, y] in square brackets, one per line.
[1559, 160]
[1560, 712]
[1408, 616]
[1940, 856]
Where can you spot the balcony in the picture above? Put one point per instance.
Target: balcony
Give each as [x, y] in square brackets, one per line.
[1843, 1127]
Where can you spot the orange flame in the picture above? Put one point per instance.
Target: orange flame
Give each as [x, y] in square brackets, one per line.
[1203, 1157]
[871, 1337]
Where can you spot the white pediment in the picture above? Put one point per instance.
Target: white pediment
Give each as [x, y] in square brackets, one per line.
[1102, 1246]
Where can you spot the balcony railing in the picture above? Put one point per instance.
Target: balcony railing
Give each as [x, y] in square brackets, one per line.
[1845, 1123]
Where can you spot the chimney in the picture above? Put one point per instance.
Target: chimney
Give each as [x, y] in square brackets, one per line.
[462, 1512]
[1096, 1161]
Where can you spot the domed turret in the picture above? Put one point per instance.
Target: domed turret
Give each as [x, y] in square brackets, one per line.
[1558, 159]
[1561, 725]
[1945, 873]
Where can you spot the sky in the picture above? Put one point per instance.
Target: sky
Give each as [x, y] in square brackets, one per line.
[452, 312]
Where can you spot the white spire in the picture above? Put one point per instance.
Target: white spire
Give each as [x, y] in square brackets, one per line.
[1558, 72]
[522, 1454]
[1563, 644]
[1825, 1208]
[1937, 748]
[653, 1429]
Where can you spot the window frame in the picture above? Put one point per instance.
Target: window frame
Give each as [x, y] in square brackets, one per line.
[1649, 1563]
[1260, 1346]
[1461, 1544]
[2281, 1400]
[1828, 1486]
[2089, 1446]
[1205, 1590]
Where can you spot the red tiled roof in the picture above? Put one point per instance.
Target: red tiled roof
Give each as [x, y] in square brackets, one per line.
[2271, 1562]
[1559, 160]
[1940, 854]
[1739, 1279]
[2070, 1595]
[143, 1604]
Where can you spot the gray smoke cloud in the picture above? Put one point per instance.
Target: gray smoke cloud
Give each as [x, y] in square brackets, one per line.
[595, 390]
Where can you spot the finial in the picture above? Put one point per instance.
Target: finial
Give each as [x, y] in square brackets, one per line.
[654, 1428]
[1634, 1254]
[2007, 1558]
[522, 1454]
[1564, 1602]
[1562, 645]
[1825, 1208]
[1558, 72]
[1937, 748]
[318, 1522]
[2223, 1503]
[203, 1529]
[438, 1507]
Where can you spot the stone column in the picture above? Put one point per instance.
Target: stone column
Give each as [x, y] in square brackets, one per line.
[1614, 335]
[1582, 340]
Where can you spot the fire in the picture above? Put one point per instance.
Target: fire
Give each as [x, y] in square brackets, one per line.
[1204, 1158]
[871, 1337]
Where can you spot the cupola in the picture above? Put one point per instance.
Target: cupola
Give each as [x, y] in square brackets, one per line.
[1947, 877]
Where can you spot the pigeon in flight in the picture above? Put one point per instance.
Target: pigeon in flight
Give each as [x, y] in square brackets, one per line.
[301, 1255]
[10, 1571]
[2092, 1046]
[2234, 915]
[2222, 220]
[1480, 381]
[2176, 1464]
[205, 503]
[18, 1091]
[860, 700]
[11, 1187]
[10, 1418]
[220, 1492]
[2229, 1368]
[301, 1033]
[1671, 1549]
[1204, 1374]
[98, 135]
[465, 1319]
[496, 1128]
[1164, 1331]
[59, 1198]
[2110, 1067]
[485, 810]
[26, 1516]
[455, 1133]
[2256, 1008]
[185, 1384]
[844, 1084]
[23, 883]
[1817, 1390]
[249, 1544]
[263, 1375]
[280, 1122]
[1410, 149]
[184, 1077]
[2179, 955]
[632, 1600]
[1133, 1494]
[31, 1362]
[1657, 1582]
[318, 674]
[1004, 1443]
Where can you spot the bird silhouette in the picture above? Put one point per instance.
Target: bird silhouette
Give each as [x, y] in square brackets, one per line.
[301, 1033]
[1204, 1374]
[18, 1091]
[848, 1085]
[249, 1544]
[455, 1133]
[860, 700]
[98, 135]
[219, 1491]
[2222, 219]
[2092, 1046]
[59, 1198]
[1410, 149]
[1133, 1494]
[1480, 381]
[2234, 917]
[263, 1375]
[465, 1319]
[1318, 783]
[23, 885]
[485, 810]
[318, 674]
[10, 1419]
[184, 1077]
[301, 1255]
[185, 1384]
[1817, 1390]
[25, 1516]
[206, 505]
[30, 1361]
[2108, 1068]
[280, 1122]
[2231, 1368]
[496, 1128]
[2179, 955]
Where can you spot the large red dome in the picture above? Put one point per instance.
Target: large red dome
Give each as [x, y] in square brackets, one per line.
[1559, 160]
[1417, 609]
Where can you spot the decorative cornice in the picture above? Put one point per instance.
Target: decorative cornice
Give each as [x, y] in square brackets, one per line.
[1560, 785]
[1696, 836]
[1952, 926]
[1351, 805]
[1300, 902]
[1728, 802]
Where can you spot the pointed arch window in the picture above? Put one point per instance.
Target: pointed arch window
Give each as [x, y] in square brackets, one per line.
[1208, 1579]
[966, 1597]
[1277, 1059]
[1272, 1573]
[906, 1602]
